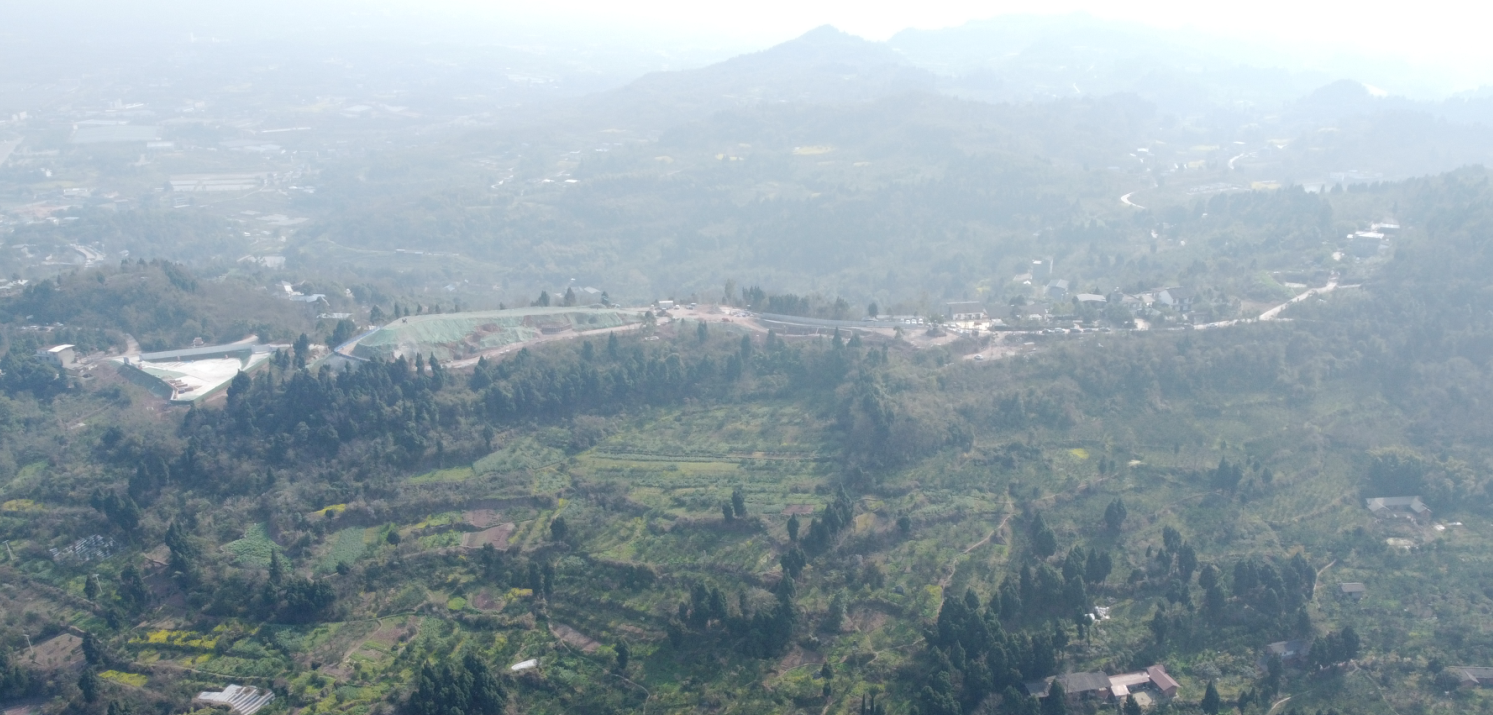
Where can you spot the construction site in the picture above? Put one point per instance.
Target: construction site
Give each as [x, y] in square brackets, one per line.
[193, 374]
[458, 337]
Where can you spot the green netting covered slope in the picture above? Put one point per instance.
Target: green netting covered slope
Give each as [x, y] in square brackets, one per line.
[453, 336]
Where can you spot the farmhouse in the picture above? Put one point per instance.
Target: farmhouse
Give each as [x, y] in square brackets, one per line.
[965, 311]
[1409, 507]
[61, 356]
[1078, 686]
[1473, 676]
[1354, 591]
[1180, 298]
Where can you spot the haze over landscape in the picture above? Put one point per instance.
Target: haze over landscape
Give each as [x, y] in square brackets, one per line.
[407, 359]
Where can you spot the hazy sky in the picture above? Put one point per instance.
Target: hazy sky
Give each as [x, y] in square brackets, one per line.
[1424, 48]
[1451, 35]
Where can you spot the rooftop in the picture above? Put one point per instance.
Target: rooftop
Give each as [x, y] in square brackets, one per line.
[1473, 671]
[1288, 649]
[1083, 682]
[1414, 504]
[245, 347]
[242, 699]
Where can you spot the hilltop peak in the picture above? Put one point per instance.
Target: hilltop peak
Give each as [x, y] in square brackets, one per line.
[829, 43]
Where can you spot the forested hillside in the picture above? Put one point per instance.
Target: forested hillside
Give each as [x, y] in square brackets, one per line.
[704, 517]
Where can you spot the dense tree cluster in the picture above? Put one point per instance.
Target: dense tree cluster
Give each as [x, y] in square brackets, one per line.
[970, 656]
[15, 681]
[467, 687]
[162, 304]
[755, 631]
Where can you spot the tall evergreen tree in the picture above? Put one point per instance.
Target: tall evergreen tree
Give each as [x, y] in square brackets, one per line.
[1211, 703]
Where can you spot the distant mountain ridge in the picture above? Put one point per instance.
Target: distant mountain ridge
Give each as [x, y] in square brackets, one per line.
[823, 66]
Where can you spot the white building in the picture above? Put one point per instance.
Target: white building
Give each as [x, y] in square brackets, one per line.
[967, 310]
[62, 356]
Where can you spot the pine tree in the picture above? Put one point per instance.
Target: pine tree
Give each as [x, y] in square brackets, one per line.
[623, 655]
[93, 653]
[793, 528]
[1056, 702]
[1211, 703]
[1159, 626]
[834, 619]
[1044, 541]
[88, 685]
[738, 502]
[1114, 515]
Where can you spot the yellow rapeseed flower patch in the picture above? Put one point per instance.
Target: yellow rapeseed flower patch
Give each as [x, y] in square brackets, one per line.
[133, 679]
[180, 639]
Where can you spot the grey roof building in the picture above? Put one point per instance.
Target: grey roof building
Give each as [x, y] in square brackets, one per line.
[1082, 684]
[1397, 506]
[966, 310]
[1469, 676]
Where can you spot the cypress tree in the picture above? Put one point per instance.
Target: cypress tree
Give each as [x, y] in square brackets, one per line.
[1211, 703]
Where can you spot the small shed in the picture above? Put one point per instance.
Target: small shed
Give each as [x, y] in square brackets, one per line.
[1354, 591]
[1289, 652]
[241, 699]
[1039, 688]
[1163, 680]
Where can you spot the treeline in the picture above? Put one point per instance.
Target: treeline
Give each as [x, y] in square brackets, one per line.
[412, 411]
[162, 304]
